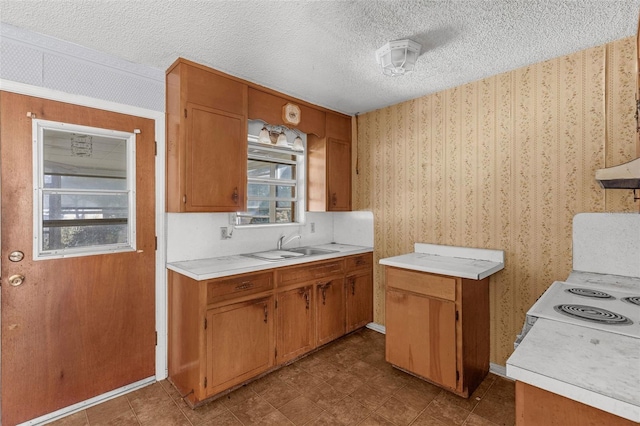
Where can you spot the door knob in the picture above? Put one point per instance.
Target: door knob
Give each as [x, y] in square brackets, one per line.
[16, 280]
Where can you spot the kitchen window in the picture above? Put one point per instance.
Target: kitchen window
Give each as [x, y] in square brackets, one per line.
[275, 180]
[84, 185]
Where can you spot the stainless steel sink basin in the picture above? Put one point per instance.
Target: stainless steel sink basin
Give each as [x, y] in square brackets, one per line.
[277, 255]
[310, 251]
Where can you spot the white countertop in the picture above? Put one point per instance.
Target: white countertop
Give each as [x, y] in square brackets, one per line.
[596, 368]
[464, 262]
[215, 267]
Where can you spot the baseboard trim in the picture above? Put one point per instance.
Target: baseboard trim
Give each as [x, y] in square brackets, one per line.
[376, 327]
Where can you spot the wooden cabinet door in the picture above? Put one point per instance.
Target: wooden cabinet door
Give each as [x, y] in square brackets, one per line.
[330, 318]
[216, 160]
[421, 336]
[239, 343]
[338, 175]
[359, 295]
[294, 332]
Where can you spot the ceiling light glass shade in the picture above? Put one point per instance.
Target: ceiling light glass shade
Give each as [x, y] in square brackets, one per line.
[263, 137]
[398, 57]
[282, 140]
[297, 144]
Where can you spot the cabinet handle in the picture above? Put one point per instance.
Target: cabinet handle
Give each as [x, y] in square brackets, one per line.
[235, 196]
[306, 298]
[334, 199]
[323, 288]
[244, 286]
[360, 261]
[266, 313]
[353, 286]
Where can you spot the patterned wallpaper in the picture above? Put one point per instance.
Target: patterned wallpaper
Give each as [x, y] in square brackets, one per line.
[502, 163]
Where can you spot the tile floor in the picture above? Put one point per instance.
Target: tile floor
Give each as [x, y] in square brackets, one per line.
[346, 383]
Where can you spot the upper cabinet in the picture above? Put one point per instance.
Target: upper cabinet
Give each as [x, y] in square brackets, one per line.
[329, 160]
[207, 114]
[271, 108]
[206, 140]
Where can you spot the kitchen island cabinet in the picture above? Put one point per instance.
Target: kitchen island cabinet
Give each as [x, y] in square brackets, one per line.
[437, 314]
[206, 126]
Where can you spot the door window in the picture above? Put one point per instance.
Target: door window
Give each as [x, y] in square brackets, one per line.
[84, 190]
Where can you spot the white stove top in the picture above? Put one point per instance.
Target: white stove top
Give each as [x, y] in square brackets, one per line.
[604, 302]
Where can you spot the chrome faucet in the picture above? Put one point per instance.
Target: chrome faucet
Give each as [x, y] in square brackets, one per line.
[282, 241]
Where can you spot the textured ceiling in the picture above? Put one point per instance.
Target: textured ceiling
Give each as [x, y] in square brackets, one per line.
[324, 51]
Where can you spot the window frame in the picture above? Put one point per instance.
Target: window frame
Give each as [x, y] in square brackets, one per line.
[38, 128]
[299, 183]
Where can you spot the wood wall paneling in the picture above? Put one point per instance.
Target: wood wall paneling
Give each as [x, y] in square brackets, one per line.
[501, 163]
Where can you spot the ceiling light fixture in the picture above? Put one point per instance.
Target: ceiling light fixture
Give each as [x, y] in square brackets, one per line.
[398, 57]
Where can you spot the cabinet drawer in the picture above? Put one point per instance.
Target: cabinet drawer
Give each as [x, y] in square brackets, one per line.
[360, 261]
[424, 283]
[228, 288]
[304, 273]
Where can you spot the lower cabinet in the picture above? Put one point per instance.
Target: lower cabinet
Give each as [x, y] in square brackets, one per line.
[437, 327]
[330, 310]
[421, 336]
[359, 292]
[239, 343]
[295, 333]
[227, 331]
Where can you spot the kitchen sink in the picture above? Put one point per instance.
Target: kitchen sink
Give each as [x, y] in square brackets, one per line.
[276, 255]
[310, 251]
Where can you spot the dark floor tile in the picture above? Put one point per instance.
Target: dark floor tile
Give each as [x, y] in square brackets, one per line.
[398, 412]
[502, 390]
[325, 419]
[225, 419]
[279, 393]
[203, 413]
[301, 410]
[376, 419]
[348, 411]
[275, 418]
[474, 420]
[252, 410]
[127, 419]
[325, 396]
[414, 398]
[346, 383]
[303, 381]
[237, 397]
[498, 412]
[371, 397]
[441, 408]
[425, 419]
[108, 410]
[76, 419]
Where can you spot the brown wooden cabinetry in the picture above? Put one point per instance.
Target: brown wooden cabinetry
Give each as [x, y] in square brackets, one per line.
[295, 324]
[227, 331]
[239, 343]
[437, 327]
[329, 166]
[206, 140]
[359, 291]
[330, 308]
[221, 332]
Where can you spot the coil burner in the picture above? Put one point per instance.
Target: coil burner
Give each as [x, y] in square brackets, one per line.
[593, 314]
[587, 292]
[634, 300]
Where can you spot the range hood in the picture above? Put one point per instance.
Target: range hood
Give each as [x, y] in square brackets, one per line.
[623, 176]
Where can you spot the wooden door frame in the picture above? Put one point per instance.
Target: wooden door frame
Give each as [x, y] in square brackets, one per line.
[160, 215]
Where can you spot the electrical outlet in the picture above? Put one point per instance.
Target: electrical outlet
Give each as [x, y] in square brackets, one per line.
[313, 227]
[224, 233]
